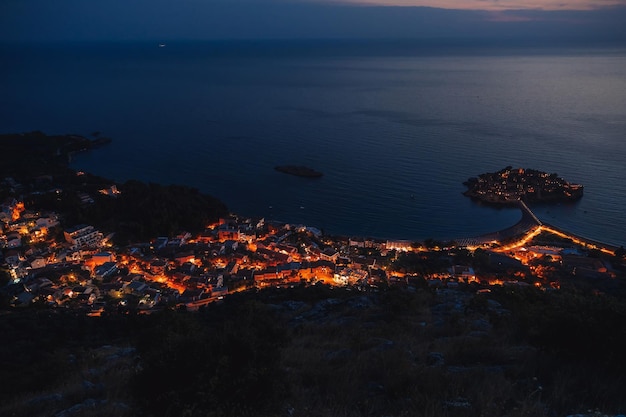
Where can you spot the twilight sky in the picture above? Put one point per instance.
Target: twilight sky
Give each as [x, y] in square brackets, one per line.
[494, 4]
[59, 20]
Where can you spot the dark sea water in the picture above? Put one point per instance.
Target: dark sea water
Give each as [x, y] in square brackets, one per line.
[395, 129]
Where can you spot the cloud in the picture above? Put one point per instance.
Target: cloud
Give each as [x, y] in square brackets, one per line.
[59, 20]
[491, 5]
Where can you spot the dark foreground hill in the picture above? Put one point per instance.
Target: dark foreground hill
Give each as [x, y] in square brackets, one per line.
[325, 352]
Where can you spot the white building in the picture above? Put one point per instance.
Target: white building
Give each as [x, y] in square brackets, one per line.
[83, 236]
[48, 221]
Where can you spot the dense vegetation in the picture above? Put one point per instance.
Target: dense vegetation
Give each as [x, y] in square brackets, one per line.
[141, 212]
[321, 351]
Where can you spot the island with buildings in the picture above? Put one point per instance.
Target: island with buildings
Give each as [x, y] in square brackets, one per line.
[510, 185]
[352, 321]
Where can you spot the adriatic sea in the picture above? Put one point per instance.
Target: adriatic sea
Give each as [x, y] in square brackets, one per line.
[395, 127]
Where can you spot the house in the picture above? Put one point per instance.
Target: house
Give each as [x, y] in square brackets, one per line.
[14, 240]
[38, 262]
[463, 273]
[248, 236]
[187, 268]
[175, 242]
[37, 284]
[267, 274]
[231, 268]
[314, 231]
[199, 281]
[73, 256]
[273, 257]
[227, 234]
[87, 299]
[362, 262]
[11, 208]
[180, 277]
[113, 289]
[356, 242]
[107, 269]
[136, 288]
[240, 258]
[101, 258]
[184, 257]
[190, 295]
[49, 221]
[85, 199]
[150, 298]
[500, 261]
[378, 276]
[345, 276]
[22, 299]
[314, 253]
[83, 235]
[206, 237]
[111, 191]
[245, 275]
[159, 243]
[229, 246]
[321, 267]
[12, 257]
[329, 254]
[586, 267]
[286, 249]
[158, 266]
[22, 226]
[243, 280]
[80, 289]
[289, 269]
[401, 245]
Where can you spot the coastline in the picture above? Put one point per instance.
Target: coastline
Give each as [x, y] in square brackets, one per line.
[521, 225]
[507, 135]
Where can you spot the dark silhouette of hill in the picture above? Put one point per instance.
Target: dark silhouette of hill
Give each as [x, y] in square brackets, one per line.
[323, 351]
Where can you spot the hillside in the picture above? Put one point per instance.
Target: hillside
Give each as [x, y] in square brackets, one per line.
[322, 351]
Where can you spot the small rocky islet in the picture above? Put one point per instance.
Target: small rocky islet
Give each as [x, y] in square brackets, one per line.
[298, 170]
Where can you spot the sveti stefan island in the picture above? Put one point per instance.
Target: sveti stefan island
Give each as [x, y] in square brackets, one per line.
[136, 298]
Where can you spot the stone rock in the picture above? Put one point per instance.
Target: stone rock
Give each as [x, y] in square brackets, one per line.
[46, 398]
[481, 325]
[435, 359]
[338, 355]
[383, 344]
[79, 408]
[457, 403]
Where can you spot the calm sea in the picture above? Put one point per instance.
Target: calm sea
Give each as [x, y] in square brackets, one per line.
[395, 128]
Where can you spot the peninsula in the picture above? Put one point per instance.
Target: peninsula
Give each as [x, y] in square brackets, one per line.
[298, 170]
[510, 185]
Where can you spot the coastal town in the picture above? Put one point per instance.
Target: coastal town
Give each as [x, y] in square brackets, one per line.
[48, 262]
[142, 299]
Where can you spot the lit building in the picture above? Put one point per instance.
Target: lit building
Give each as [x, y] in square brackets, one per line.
[83, 236]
